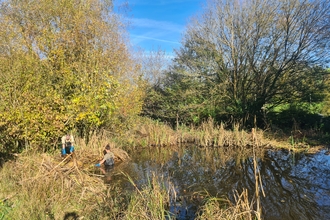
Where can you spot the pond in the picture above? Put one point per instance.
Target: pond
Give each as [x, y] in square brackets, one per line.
[295, 185]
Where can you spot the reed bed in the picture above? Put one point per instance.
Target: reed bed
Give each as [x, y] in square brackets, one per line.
[208, 134]
[40, 187]
[219, 208]
[47, 186]
[44, 188]
[151, 202]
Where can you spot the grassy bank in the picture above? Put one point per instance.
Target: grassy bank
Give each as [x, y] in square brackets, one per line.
[39, 187]
[46, 186]
[150, 133]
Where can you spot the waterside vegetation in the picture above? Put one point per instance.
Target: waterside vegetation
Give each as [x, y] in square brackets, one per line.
[46, 186]
[247, 78]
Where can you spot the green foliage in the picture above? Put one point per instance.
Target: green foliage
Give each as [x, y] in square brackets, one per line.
[326, 93]
[182, 99]
[63, 65]
[4, 210]
[239, 60]
[297, 116]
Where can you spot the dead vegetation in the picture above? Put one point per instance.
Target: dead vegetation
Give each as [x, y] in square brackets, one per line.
[48, 186]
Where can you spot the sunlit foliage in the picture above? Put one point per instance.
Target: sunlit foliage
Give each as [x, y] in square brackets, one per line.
[241, 58]
[63, 64]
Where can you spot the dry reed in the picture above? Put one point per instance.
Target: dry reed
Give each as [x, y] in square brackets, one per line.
[208, 134]
[218, 208]
[59, 186]
[150, 202]
[46, 187]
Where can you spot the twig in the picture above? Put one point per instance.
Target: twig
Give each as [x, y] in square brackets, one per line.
[9, 197]
[60, 163]
[38, 176]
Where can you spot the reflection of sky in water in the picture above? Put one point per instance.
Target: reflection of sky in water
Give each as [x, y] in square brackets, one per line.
[296, 186]
[315, 171]
[305, 181]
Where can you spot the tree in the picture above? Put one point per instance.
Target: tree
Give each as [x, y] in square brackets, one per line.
[257, 54]
[154, 65]
[171, 97]
[64, 64]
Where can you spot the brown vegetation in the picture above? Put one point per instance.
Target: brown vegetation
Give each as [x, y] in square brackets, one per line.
[47, 186]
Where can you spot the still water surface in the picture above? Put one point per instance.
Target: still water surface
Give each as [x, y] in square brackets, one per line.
[296, 186]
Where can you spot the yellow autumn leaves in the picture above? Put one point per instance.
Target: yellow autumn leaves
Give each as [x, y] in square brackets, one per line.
[63, 64]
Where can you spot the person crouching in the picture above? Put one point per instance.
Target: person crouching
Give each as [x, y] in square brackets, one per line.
[108, 158]
[67, 144]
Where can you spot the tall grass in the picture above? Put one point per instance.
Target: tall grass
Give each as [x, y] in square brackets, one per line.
[208, 134]
[242, 208]
[219, 208]
[34, 187]
[44, 186]
[150, 202]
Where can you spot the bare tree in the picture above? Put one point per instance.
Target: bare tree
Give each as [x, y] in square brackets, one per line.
[259, 51]
[153, 64]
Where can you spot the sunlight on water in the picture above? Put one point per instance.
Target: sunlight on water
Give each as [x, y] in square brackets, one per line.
[296, 186]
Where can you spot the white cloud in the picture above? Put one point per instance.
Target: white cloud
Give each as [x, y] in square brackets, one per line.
[163, 25]
[159, 32]
[139, 38]
[159, 2]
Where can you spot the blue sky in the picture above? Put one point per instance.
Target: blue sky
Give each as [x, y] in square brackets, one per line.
[160, 23]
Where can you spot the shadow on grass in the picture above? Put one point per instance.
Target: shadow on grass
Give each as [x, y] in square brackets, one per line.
[71, 216]
[4, 157]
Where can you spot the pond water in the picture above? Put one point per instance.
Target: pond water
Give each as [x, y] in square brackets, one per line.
[296, 186]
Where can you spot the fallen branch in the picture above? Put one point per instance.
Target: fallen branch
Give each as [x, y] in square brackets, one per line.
[8, 197]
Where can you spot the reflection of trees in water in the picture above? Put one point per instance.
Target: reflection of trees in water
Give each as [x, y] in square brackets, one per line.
[296, 185]
[289, 195]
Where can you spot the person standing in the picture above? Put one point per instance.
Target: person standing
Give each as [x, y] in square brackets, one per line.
[67, 144]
